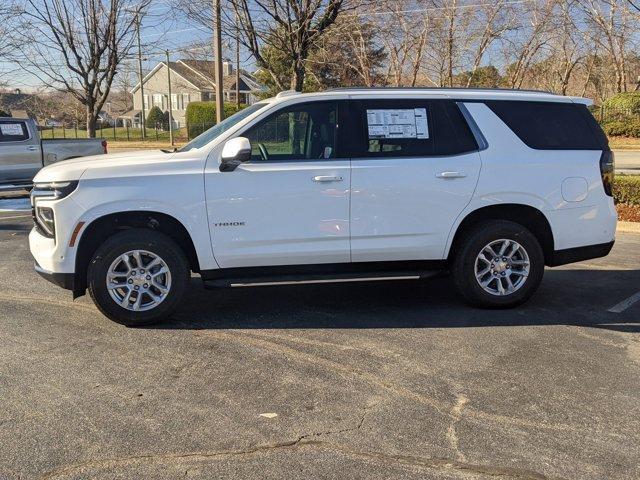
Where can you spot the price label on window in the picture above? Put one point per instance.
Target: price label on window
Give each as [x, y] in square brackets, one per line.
[11, 129]
[398, 123]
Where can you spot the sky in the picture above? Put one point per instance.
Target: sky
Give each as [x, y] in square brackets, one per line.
[163, 27]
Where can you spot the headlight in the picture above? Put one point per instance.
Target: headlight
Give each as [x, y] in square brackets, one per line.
[52, 190]
[43, 217]
[45, 221]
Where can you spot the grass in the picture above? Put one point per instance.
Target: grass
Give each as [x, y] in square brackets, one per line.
[121, 134]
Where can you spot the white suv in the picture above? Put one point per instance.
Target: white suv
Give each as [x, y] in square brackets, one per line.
[345, 184]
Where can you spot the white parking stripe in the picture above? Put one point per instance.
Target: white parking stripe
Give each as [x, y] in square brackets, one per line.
[623, 305]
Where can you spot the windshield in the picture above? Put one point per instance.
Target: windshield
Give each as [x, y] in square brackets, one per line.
[209, 135]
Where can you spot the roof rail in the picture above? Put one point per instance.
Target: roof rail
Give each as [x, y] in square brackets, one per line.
[287, 93]
[439, 88]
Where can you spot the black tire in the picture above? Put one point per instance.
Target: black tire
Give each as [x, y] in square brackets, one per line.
[137, 239]
[463, 267]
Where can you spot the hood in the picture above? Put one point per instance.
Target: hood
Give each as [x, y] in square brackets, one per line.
[113, 164]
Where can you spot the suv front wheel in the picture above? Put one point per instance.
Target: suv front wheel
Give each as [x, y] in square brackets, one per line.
[138, 277]
[499, 264]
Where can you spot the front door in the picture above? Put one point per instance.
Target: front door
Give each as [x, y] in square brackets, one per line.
[288, 205]
[414, 169]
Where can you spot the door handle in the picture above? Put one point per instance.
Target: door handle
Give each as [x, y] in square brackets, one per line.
[451, 175]
[327, 178]
[31, 148]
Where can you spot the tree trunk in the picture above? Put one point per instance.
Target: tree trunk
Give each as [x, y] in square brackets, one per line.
[297, 80]
[92, 120]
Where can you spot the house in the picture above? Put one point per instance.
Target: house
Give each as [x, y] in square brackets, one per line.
[17, 104]
[191, 81]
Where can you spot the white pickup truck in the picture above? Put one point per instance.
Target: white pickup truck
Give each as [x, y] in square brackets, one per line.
[23, 153]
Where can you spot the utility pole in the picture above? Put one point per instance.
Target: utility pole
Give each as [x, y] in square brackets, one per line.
[217, 52]
[237, 62]
[143, 130]
[170, 99]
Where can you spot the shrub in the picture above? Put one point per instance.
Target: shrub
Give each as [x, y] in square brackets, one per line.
[154, 117]
[626, 189]
[624, 128]
[201, 116]
[628, 102]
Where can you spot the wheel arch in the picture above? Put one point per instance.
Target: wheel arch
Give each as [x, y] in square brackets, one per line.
[530, 217]
[101, 228]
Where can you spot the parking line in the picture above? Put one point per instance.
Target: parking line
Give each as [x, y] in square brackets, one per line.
[623, 305]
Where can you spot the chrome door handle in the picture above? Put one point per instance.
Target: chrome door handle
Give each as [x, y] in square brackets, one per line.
[31, 148]
[327, 178]
[451, 175]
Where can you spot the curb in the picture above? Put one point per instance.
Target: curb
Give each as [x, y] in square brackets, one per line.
[628, 227]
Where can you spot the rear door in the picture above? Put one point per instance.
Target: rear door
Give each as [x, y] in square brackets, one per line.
[20, 156]
[415, 166]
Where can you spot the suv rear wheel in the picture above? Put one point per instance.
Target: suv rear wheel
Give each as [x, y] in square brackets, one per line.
[499, 264]
[138, 277]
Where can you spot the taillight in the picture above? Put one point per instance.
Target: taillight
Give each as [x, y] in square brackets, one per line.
[607, 171]
[104, 146]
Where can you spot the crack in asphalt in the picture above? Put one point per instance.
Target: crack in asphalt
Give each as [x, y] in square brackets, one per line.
[452, 435]
[303, 441]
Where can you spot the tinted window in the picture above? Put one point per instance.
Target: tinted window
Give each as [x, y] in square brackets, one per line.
[408, 128]
[13, 131]
[451, 131]
[391, 128]
[548, 125]
[301, 132]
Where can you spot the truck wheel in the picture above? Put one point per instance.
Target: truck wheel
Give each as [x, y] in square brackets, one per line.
[499, 264]
[138, 277]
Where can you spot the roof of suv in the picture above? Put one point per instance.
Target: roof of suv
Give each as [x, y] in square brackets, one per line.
[457, 93]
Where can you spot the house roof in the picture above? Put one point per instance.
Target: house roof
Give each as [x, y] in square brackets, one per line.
[200, 74]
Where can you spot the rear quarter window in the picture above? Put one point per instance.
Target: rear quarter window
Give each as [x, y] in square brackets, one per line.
[551, 126]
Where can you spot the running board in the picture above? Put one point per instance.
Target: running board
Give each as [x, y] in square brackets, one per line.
[264, 281]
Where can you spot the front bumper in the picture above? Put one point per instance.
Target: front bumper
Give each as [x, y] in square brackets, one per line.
[64, 280]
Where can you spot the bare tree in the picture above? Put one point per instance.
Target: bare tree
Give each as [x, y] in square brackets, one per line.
[76, 46]
[612, 29]
[525, 45]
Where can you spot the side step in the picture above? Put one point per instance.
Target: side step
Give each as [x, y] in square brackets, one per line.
[301, 279]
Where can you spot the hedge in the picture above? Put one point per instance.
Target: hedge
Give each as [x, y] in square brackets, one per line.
[626, 189]
[201, 116]
[624, 128]
[628, 102]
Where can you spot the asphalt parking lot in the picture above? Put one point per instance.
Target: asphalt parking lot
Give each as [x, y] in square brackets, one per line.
[363, 380]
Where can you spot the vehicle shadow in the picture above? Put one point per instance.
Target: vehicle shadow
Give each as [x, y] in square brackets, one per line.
[566, 297]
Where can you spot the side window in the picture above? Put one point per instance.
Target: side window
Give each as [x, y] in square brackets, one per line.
[301, 132]
[549, 125]
[13, 131]
[393, 128]
[451, 132]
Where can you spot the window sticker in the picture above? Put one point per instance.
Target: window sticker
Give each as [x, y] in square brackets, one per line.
[11, 129]
[398, 123]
